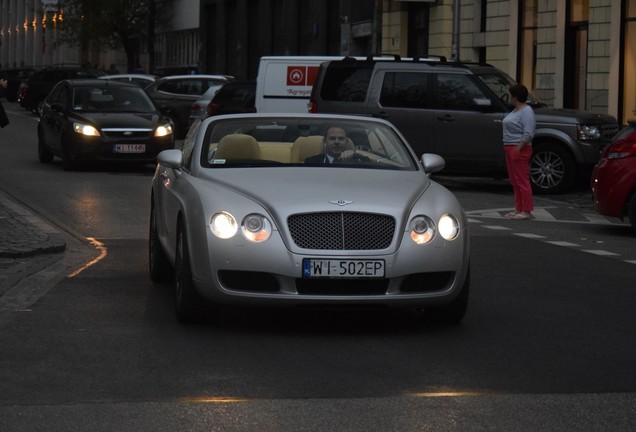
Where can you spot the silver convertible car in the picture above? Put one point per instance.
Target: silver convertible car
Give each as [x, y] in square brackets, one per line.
[289, 210]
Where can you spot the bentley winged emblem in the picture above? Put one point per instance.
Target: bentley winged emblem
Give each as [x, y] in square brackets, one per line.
[340, 202]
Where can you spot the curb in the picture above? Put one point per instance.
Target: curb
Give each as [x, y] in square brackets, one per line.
[23, 234]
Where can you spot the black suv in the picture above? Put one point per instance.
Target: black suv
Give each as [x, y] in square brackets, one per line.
[32, 94]
[455, 110]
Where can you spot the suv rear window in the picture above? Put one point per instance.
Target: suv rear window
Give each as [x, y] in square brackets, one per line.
[346, 82]
[406, 90]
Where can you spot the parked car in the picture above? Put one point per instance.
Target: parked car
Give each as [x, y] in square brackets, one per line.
[199, 107]
[455, 109]
[92, 119]
[231, 98]
[175, 94]
[32, 93]
[142, 80]
[248, 222]
[14, 78]
[614, 177]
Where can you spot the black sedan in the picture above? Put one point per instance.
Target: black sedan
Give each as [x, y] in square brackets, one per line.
[90, 119]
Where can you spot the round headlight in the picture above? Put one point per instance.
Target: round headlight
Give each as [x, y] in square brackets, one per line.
[83, 129]
[422, 229]
[163, 130]
[256, 228]
[223, 225]
[448, 227]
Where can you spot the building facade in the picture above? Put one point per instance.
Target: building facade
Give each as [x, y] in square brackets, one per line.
[570, 53]
[29, 38]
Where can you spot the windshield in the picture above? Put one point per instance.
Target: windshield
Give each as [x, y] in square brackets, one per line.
[499, 82]
[111, 99]
[307, 142]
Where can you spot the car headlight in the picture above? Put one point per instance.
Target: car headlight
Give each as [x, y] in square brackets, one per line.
[448, 227]
[589, 132]
[223, 225]
[422, 229]
[84, 129]
[163, 130]
[256, 228]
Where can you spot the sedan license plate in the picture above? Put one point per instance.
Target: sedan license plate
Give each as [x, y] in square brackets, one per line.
[330, 268]
[129, 148]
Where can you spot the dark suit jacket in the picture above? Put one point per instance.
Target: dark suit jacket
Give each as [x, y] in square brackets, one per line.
[318, 159]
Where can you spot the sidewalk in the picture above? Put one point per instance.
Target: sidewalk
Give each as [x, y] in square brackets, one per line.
[25, 242]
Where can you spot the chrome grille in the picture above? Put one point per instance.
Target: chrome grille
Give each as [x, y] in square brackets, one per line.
[341, 230]
[126, 134]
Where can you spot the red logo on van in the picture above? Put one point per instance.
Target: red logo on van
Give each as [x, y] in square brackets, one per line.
[301, 75]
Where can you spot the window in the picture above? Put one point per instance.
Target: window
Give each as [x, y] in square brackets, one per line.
[406, 90]
[346, 83]
[629, 63]
[528, 43]
[459, 92]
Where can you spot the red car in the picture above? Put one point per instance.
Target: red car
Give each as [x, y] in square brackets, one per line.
[614, 177]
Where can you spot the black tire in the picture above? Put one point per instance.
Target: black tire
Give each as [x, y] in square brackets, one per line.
[631, 211]
[188, 303]
[159, 266]
[552, 169]
[44, 154]
[69, 162]
[453, 312]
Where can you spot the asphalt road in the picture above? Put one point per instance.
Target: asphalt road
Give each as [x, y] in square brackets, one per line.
[546, 344]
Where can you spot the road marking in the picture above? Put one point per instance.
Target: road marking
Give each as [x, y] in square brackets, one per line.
[563, 243]
[543, 214]
[600, 252]
[530, 235]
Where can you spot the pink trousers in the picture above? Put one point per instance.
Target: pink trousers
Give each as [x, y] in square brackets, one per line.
[518, 165]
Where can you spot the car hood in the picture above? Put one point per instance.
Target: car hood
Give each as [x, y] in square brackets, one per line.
[562, 115]
[292, 190]
[119, 120]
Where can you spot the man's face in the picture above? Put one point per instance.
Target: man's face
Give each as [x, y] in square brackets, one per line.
[335, 141]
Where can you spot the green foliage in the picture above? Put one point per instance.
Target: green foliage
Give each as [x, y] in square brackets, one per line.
[101, 24]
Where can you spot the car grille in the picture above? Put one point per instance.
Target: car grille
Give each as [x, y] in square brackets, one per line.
[125, 134]
[342, 230]
[608, 130]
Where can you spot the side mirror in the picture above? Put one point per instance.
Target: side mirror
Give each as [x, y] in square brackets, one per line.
[57, 107]
[432, 163]
[172, 158]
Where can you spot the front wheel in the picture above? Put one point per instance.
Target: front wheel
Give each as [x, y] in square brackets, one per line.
[552, 169]
[188, 303]
[453, 312]
[44, 154]
[158, 264]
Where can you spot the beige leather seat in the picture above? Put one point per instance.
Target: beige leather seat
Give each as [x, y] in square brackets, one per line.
[238, 146]
[305, 147]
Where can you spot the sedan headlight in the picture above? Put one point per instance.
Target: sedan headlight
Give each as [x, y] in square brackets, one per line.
[223, 225]
[256, 228]
[448, 227]
[163, 130]
[589, 132]
[85, 129]
[422, 229]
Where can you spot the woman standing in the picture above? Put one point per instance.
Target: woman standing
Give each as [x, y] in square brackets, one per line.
[518, 130]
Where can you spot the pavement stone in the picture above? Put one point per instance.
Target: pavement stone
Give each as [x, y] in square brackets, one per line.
[27, 243]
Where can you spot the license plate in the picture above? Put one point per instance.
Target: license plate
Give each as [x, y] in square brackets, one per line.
[129, 148]
[330, 268]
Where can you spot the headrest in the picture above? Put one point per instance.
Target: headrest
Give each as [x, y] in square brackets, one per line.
[238, 146]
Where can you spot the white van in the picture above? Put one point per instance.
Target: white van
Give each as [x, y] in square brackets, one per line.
[283, 84]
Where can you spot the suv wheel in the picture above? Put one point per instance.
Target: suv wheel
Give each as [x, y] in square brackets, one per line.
[552, 169]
